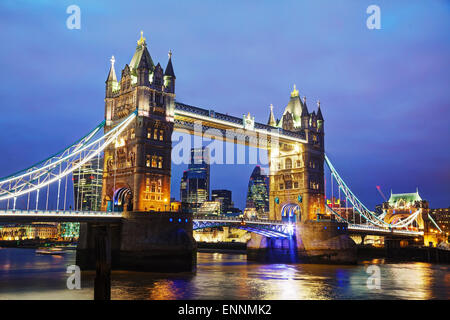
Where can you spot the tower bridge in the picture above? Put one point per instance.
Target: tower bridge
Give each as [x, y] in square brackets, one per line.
[135, 144]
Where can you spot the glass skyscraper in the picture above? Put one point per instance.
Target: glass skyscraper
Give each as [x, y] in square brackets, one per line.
[195, 185]
[87, 186]
[258, 192]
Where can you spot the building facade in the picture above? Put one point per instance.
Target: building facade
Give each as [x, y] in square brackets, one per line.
[87, 186]
[137, 167]
[224, 197]
[195, 183]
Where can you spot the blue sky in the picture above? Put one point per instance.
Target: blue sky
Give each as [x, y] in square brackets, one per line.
[384, 93]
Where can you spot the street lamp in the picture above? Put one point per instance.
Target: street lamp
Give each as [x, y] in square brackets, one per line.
[165, 204]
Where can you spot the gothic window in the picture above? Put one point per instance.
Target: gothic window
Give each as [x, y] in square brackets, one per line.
[155, 134]
[147, 160]
[299, 163]
[281, 186]
[288, 185]
[160, 162]
[159, 186]
[295, 184]
[279, 165]
[288, 163]
[154, 161]
[161, 135]
[149, 133]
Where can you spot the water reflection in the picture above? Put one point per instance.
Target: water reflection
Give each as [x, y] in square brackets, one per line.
[23, 275]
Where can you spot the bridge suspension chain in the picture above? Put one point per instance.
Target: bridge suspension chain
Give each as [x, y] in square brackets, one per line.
[361, 209]
[60, 165]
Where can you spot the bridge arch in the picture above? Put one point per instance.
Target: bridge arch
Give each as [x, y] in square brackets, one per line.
[123, 199]
[291, 212]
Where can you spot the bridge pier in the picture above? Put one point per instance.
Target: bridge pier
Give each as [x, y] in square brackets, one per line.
[154, 242]
[313, 242]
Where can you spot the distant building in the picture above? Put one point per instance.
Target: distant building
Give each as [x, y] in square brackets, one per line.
[69, 230]
[442, 218]
[233, 212]
[195, 183]
[258, 192]
[224, 197]
[28, 231]
[175, 206]
[345, 210]
[209, 208]
[402, 205]
[87, 186]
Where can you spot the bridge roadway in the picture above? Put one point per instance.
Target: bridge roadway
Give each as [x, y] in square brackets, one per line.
[268, 228]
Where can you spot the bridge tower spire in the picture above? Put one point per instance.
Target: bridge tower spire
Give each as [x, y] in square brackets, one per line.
[137, 168]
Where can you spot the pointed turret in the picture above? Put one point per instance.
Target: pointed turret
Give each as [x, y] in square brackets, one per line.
[295, 108]
[169, 75]
[112, 72]
[271, 121]
[111, 81]
[319, 112]
[141, 57]
[169, 69]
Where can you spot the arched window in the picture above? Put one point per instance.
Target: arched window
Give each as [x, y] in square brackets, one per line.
[288, 163]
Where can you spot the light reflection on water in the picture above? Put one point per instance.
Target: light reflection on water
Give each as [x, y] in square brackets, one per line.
[25, 275]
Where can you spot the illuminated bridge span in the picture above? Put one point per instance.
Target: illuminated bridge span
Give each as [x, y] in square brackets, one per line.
[271, 229]
[134, 143]
[33, 185]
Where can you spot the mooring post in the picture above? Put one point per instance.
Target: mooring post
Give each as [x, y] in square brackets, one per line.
[102, 283]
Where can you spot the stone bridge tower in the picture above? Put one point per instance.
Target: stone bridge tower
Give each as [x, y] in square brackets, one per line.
[137, 167]
[297, 170]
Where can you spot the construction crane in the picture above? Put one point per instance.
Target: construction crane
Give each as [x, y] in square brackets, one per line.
[381, 193]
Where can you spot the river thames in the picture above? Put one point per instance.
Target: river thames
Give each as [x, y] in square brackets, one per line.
[27, 275]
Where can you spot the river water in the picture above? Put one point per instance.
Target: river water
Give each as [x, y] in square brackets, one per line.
[27, 275]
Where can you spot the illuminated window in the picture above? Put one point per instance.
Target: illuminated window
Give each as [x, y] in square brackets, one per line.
[149, 133]
[155, 134]
[161, 135]
[154, 161]
[147, 160]
[133, 135]
[288, 163]
[160, 162]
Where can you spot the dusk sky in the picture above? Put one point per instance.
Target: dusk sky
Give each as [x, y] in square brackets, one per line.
[385, 94]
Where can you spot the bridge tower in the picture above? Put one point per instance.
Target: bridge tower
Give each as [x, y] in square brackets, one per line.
[137, 167]
[297, 170]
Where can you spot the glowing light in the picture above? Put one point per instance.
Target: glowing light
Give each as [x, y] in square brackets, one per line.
[290, 229]
[119, 143]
